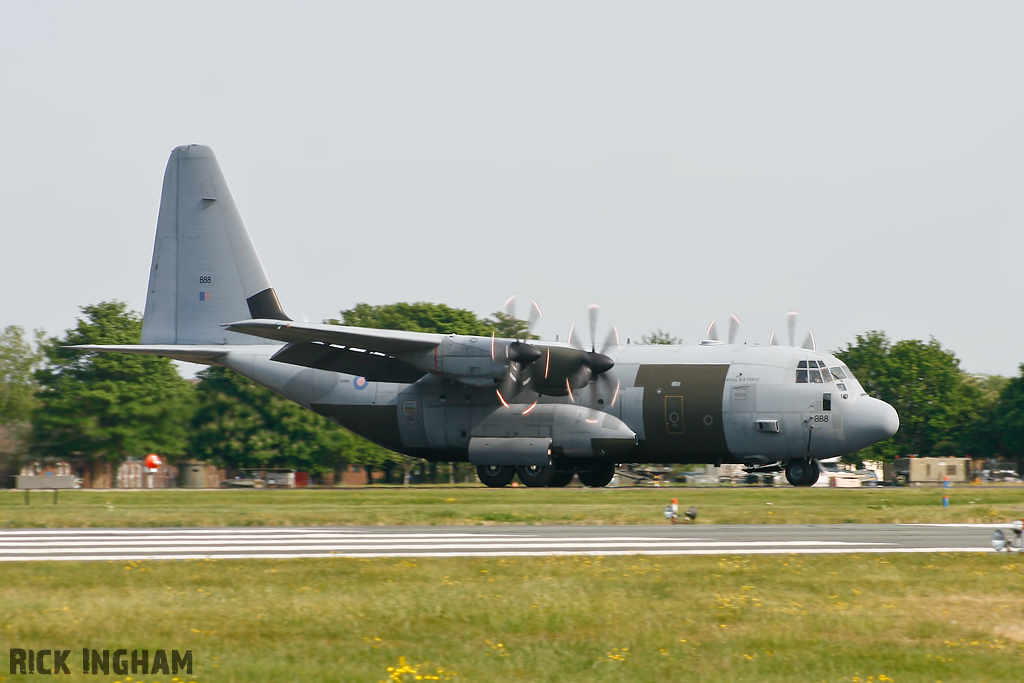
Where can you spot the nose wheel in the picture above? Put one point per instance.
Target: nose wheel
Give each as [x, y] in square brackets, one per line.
[800, 472]
[598, 475]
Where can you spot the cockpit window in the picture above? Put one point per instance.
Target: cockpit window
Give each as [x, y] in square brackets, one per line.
[838, 373]
[813, 371]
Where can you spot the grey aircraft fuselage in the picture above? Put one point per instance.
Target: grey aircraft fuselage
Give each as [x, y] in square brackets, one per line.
[544, 410]
[712, 403]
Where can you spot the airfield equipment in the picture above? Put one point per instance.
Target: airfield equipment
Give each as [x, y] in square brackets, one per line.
[672, 511]
[1000, 541]
[54, 482]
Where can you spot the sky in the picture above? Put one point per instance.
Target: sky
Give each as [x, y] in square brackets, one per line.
[673, 162]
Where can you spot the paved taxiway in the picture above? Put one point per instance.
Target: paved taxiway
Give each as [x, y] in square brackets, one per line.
[292, 542]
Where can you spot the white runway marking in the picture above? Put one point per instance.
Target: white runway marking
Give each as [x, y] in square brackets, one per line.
[214, 547]
[549, 553]
[965, 525]
[19, 545]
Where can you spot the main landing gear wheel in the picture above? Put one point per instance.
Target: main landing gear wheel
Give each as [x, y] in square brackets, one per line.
[561, 479]
[802, 472]
[536, 476]
[599, 475]
[495, 476]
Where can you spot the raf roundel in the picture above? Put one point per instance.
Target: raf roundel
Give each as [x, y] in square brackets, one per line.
[360, 383]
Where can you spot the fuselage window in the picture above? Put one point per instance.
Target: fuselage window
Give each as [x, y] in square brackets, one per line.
[801, 376]
[826, 402]
[838, 373]
[840, 386]
[815, 376]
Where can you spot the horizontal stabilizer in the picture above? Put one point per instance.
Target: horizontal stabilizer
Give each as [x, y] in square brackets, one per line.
[374, 366]
[382, 341]
[204, 355]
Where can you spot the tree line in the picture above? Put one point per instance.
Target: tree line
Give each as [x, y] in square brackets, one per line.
[60, 404]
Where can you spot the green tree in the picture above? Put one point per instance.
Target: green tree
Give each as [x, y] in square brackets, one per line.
[106, 407]
[417, 317]
[1009, 418]
[938, 404]
[241, 424]
[19, 359]
[660, 337]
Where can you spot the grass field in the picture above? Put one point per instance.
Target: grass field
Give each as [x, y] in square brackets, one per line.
[849, 618]
[477, 505]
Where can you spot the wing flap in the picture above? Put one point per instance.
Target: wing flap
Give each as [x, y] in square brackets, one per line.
[376, 367]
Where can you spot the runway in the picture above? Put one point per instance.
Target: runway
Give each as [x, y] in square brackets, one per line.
[225, 543]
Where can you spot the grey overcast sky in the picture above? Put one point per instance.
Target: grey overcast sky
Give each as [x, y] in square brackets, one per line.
[672, 161]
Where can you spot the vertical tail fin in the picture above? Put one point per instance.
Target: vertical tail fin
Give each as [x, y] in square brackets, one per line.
[205, 271]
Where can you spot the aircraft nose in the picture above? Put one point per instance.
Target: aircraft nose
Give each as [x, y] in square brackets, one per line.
[869, 421]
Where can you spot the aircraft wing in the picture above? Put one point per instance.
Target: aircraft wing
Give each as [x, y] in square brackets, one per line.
[350, 350]
[367, 339]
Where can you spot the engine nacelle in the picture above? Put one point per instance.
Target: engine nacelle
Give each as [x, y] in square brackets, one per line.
[463, 359]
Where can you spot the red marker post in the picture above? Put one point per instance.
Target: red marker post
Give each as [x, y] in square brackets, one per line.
[153, 463]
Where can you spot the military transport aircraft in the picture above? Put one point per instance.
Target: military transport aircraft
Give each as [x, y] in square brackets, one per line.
[544, 411]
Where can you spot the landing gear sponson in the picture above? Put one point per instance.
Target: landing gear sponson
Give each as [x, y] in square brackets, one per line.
[596, 475]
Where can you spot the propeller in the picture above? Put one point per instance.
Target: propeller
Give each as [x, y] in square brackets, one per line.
[712, 330]
[734, 328]
[791, 324]
[520, 355]
[594, 364]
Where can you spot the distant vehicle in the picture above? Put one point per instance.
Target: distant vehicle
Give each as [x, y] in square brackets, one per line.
[262, 477]
[867, 477]
[916, 470]
[834, 475]
[1007, 476]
